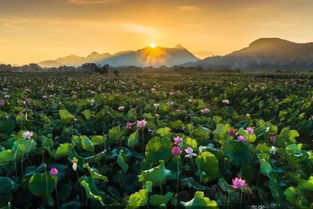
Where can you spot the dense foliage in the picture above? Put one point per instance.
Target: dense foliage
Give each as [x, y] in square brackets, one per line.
[151, 139]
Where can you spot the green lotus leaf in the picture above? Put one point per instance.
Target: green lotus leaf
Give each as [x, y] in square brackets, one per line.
[121, 161]
[265, 166]
[133, 139]
[42, 184]
[176, 124]
[87, 114]
[250, 137]
[190, 142]
[201, 134]
[291, 194]
[86, 143]
[306, 184]
[287, 136]
[23, 146]
[157, 149]
[164, 108]
[63, 150]
[7, 126]
[97, 140]
[46, 142]
[220, 133]
[34, 169]
[238, 152]
[115, 134]
[191, 183]
[6, 191]
[7, 156]
[131, 114]
[159, 200]
[7, 185]
[65, 116]
[200, 201]
[156, 175]
[294, 149]
[94, 173]
[91, 189]
[138, 199]
[164, 131]
[207, 165]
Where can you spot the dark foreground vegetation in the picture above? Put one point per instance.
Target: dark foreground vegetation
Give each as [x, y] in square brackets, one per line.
[151, 140]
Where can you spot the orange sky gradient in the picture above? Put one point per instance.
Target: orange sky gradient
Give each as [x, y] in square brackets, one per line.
[36, 30]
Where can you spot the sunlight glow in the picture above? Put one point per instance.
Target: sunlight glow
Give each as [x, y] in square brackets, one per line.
[152, 45]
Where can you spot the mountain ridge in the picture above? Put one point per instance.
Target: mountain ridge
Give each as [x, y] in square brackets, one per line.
[263, 53]
[147, 56]
[73, 60]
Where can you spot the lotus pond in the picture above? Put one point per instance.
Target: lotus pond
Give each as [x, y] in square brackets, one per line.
[156, 140]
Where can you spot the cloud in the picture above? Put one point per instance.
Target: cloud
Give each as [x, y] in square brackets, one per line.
[9, 21]
[189, 8]
[137, 28]
[89, 1]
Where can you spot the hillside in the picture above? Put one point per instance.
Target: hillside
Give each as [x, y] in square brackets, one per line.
[264, 53]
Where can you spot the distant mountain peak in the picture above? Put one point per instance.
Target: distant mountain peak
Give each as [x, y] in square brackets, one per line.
[142, 57]
[93, 54]
[73, 60]
[262, 41]
[179, 46]
[264, 53]
[148, 56]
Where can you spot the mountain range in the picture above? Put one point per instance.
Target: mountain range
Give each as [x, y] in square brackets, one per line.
[148, 56]
[73, 60]
[264, 53]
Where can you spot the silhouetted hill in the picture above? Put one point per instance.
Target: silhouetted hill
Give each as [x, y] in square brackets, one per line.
[151, 57]
[73, 60]
[264, 53]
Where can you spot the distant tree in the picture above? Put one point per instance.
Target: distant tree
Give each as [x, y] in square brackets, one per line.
[90, 67]
[103, 70]
[115, 73]
[5, 68]
[34, 67]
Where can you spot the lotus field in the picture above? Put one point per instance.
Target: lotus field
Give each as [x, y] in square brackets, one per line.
[156, 140]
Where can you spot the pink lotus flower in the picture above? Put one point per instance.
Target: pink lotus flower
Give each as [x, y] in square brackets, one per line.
[28, 134]
[53, 172]
[205, 110]
[176, 150]
[250, 130]
[141, 123]
[190, 153]
[178, 111]
[129, 125]
[177, 140]
[239, 183]
[241, 138]
[272, 138]
[2, 102]
[231, 131]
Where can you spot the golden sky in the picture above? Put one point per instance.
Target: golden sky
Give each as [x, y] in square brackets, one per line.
[36, 30]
